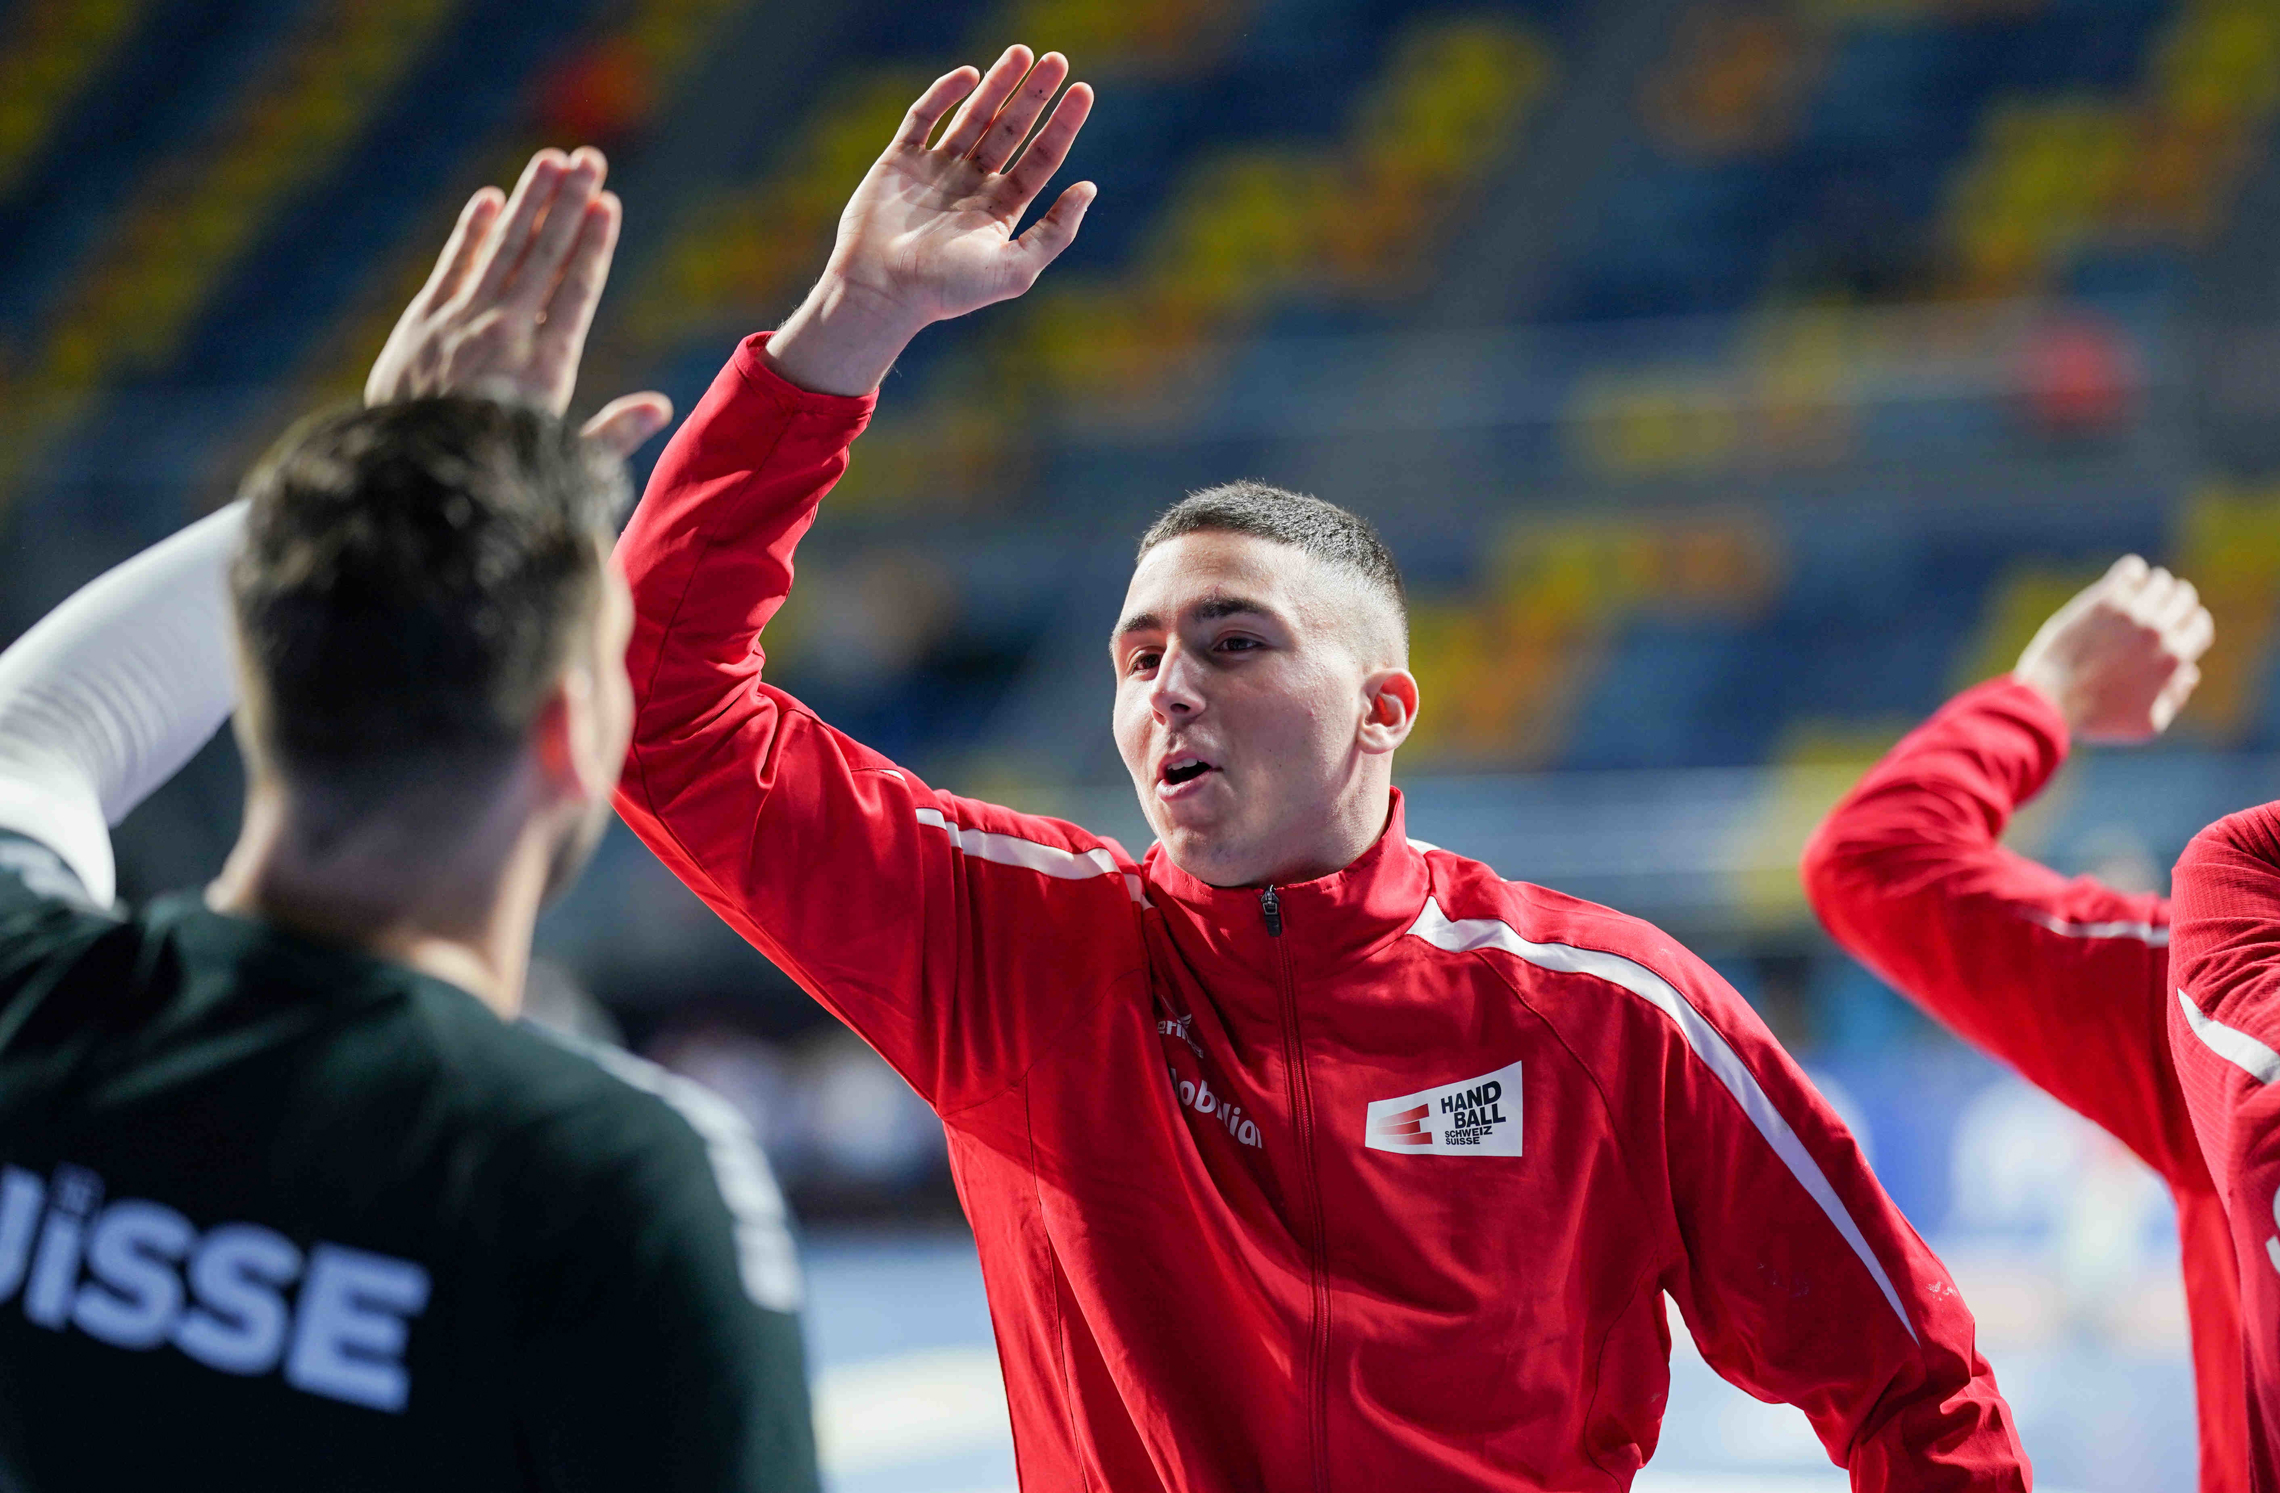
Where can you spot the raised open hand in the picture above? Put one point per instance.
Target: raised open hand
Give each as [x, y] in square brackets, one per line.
[2122, 657]
[931, 227]
[929, 234]
[506, 312]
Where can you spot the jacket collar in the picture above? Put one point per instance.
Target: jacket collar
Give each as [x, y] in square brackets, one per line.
[1328, 922]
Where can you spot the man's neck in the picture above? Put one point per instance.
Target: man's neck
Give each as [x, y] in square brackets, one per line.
[458, 908]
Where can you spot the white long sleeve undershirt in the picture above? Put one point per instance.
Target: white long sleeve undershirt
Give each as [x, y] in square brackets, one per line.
[113, 691]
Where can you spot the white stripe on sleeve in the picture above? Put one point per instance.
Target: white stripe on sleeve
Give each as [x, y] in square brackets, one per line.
[1708, 1044]
[2231, 1043]
[1046, 860]
[2146, 933]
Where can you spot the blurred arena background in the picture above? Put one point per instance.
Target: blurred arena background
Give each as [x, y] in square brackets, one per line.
[1735, 380]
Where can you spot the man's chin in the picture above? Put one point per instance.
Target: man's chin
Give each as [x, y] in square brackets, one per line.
[1205, 851]
[1212, 862]
[1185, 821]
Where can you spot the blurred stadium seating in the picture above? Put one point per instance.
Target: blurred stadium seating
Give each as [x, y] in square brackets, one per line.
[1736, 378]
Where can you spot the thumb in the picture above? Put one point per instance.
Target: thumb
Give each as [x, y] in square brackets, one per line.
[622, 425]
[2121, 583]
[2131, 568]
[1049, 235]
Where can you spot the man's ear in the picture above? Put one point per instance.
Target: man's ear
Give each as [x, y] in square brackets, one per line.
[1391, 695]
[565, 740]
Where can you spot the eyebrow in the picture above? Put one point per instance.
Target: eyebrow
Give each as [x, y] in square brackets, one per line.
[1209, 611]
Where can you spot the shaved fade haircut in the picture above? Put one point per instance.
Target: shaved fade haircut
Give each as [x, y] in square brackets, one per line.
[1329, 533]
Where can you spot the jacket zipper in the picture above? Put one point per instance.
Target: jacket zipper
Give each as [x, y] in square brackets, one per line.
[1318, 1269]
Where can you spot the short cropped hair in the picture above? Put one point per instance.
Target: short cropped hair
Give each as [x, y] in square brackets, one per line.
[411, 580]
[1324, 530]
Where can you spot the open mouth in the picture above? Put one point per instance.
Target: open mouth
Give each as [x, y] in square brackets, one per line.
[1178, 772]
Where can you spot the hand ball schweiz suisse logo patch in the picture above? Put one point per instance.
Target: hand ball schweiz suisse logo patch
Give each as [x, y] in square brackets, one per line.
[1471, 1117]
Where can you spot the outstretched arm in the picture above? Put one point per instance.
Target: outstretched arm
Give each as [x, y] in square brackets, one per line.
[2064, 979]
[915, 916]
[112, 692]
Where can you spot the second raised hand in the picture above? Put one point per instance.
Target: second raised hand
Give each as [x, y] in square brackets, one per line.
[929, 235]
[506, 312]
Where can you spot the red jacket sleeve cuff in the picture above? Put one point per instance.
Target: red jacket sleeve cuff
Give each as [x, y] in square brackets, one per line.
[853, 409]
[2026, 705]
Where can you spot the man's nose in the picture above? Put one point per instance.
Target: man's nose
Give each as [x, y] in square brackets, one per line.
[1176, 695]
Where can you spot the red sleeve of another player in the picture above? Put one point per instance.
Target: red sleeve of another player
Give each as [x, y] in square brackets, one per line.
[2225, 1027]
[954, 936]
[2227, 931]
[2063, 979]
[1800, 1279]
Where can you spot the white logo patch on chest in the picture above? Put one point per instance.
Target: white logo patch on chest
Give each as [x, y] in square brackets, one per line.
[1471, 1117]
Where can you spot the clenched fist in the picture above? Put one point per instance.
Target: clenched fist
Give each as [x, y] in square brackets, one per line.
[2120, 659]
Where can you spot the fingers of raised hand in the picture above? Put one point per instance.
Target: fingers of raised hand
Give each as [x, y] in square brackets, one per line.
[470, 236]
[2153, 588]
[2193, 634]
[586, 269]
[558, 232]
[982, 105]
[510, 236]
[2181, 602]
[2147, 601]
[919, 122]
[1045, 154]
[1021, 112]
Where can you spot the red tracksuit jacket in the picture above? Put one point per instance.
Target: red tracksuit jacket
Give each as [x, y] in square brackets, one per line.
[1371, 1182]
[2224, 1024]
[2065, 980]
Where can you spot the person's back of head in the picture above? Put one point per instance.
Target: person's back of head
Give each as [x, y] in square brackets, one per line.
[426, 613]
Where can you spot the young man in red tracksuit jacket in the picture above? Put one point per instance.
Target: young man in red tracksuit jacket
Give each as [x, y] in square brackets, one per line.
[2065, 979]
[1299, 1155]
